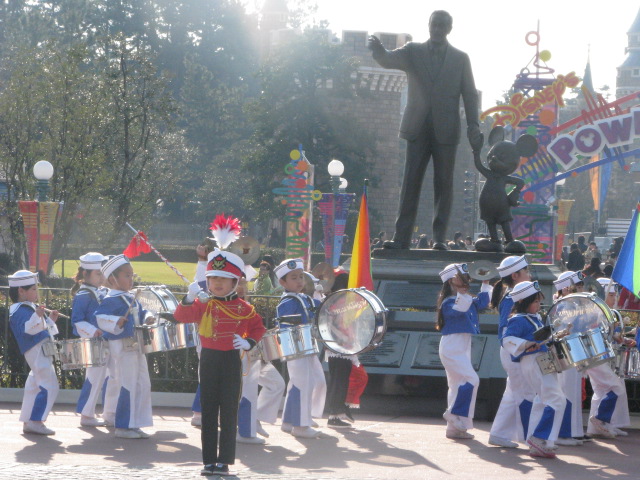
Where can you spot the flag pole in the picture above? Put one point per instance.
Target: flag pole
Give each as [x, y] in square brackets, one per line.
[162, 257]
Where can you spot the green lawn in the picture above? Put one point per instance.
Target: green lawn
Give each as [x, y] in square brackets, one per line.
[149, 272]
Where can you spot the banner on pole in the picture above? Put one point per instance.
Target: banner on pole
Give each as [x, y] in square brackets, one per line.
[39, 219]
[334, 210]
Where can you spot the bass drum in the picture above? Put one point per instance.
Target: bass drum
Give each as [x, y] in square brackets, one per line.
[582, 327]
[158, 299]
[351, 321]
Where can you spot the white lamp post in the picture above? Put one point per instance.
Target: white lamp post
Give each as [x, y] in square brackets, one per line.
[43, 171]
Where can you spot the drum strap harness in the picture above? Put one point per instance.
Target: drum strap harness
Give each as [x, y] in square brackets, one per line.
[300, 299]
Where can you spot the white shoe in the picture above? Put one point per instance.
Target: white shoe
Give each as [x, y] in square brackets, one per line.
[142, 433]
[568, 442]
[501, 442]
[92, 422]
[305, 432]
[127, 433]
[454, 420]
[602, 428]
[619, 432]
[196, 420]
[39, 428]
[314, 424]
[261, 431]
[459, 434]
[286, 427]
[253, 440]
[109, 422]
[539, 448]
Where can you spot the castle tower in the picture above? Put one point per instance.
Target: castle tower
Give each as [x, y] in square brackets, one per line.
[273, 25]
[628, 80]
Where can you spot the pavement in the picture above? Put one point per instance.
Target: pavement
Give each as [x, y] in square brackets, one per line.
[381, 446]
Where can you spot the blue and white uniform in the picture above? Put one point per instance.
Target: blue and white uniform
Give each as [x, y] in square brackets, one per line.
[514, 410]
[84, 323]
[461, 322]
[549, 402]
[133, 408]
[307, 388]
[41, 387]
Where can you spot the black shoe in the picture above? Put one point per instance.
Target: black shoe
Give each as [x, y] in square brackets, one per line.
[336, 422]
[347, 413]
[394, 245]
[586, 438]
[208, 470]
[221, 469]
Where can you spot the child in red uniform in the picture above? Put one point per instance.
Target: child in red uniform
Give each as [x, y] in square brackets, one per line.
[227, 324]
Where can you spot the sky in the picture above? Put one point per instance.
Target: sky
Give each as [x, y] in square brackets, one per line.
[493, 33]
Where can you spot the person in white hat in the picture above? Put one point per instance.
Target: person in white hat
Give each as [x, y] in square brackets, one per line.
[307, 388]
[88, 293]
[32, 329]
[117, 316]
[508, 424]
[549, 401]
[609, 404]
[227, 325]
[457, 320]
[571, 429]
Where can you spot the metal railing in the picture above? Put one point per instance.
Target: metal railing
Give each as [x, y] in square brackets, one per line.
[173, 371]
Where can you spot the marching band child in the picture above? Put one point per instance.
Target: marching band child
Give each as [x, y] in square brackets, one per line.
[87, 297]
[224, 320]
[609, 404]
[257, 407]
[307, 386]
[549, 401]
[571, 430]
[512, 411]
[458, 320]
[32, 328]
[117, 316]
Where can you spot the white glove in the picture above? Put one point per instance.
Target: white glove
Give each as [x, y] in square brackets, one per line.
[192, 292]
[240, 343]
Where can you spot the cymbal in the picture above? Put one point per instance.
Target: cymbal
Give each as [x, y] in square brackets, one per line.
[247, 248]
[324, 272]
[482, 270]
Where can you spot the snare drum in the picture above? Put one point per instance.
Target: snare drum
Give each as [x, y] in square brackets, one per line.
[83, 352]
[351, 321]
[277, 344]
[153, 338]
[627, 362]
[182, 335]
[51, 348]
[586, 324]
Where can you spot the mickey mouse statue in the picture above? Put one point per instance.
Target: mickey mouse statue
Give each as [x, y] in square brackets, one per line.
[495, 204]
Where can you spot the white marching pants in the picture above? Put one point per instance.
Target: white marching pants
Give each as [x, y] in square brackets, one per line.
[41, 387]
[548, 404]
[91, 389]
[262, 407]
[133, 409]
[112, 390]
[609, 397]
[513, 413]
[306, 391]
[462, 379]
[571, 385]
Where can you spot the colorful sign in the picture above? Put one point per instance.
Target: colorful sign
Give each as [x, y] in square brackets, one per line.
[297, 194]
[590, 140]
[521, 106]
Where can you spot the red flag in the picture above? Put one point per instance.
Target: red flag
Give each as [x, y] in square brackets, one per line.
[137, 245]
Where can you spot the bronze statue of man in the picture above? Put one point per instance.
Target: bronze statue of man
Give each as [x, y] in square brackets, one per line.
[438, 75]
